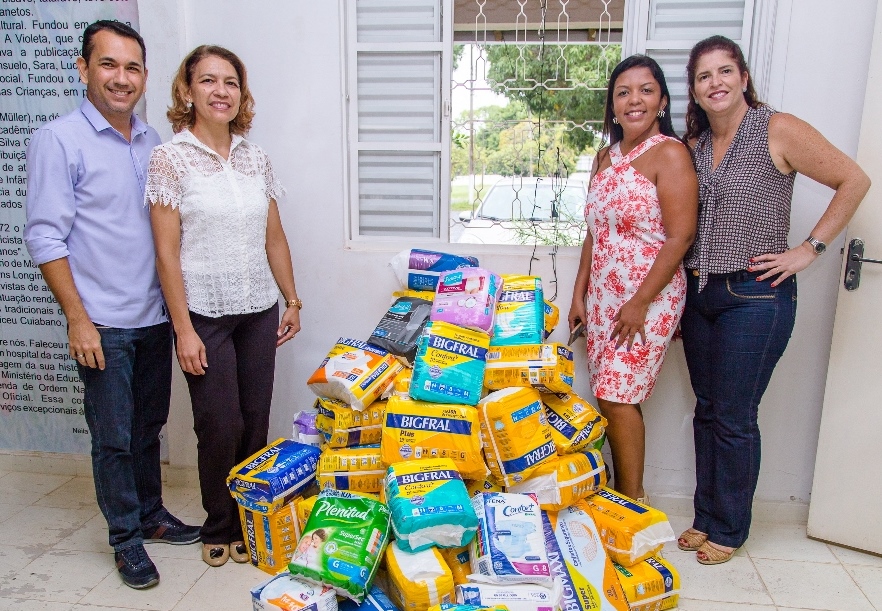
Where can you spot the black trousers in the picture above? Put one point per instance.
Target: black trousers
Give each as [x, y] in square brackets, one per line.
[231, 407]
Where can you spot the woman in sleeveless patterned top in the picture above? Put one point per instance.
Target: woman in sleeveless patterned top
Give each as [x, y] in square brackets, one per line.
[641, 213]
[741, 296]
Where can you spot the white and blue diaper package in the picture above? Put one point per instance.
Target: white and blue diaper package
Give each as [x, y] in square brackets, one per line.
[520, 312]
[375, 600]
[514, 596]
[284, 592]
[269, 479]
[449, 364]
[418, 269]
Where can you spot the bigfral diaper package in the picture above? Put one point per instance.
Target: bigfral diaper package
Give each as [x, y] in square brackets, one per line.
[271, 538]
[449, 364]
[520, 312]
[417, 580]
[429, 504]
[343, 426]
[575, 424]
[546, 367]
[354, 372]
[630, 531]
[457, 559]
[517, 438]
[342, 543]
[418, 269]
[376, 600]
[467, 297]
[416, 429]
[286, 593]
[514, 597]
[356, 469]
[302, 509]
[552, 317]
[475, 486]
[563, 480]
[651, 585]
[400, 327]
[509, 546]
[274, 476]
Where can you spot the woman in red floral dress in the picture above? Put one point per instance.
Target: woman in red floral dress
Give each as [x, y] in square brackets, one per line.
[642, 209]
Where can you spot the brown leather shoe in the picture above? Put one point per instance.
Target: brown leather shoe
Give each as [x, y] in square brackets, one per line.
[215, 554]
[239, 552]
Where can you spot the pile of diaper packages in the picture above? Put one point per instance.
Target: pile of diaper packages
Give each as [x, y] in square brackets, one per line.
[458, 469]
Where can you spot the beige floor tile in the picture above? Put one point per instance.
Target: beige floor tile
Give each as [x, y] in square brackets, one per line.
[869, 580]
[227, 587]
[19, 604]
[26, 488]
[91, 537]
[43, 525]
[78, 493]
[736, 581]
[175, 498]
[182, 552]
[192, 511]
[811, 585]
[60, 576]
[176, 577]
[688, 604]
[786, 542]
[7, 511]
[98, 608]
[14, 558]
[850, 556]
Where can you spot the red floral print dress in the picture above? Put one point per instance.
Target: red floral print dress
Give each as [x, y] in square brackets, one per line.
[625, 220]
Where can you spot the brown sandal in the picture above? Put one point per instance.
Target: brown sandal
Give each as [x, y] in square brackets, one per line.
[239, 552]
[713, 555]
[690, 540]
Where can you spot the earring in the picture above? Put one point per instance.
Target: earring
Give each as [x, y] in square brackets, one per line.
[615, 120]
[189, 104]
[744, 90]
[661, 114]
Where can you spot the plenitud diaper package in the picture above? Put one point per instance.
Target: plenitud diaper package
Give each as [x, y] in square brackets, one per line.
[419, 269]
[457, 559]
[651, 585]
[342, 426]
[467, 297]
[475, 486]
[630, 531]
[417, 580]
[376, 600]
[563, 480]
[575, 424]
[517, 438]
[354, 372]
[400, 327]
[545, 367]
[356, 469]
[513, 596]
[552, 317]
[271, 538]
[417, 429]
[520, 312]
[449, 364]
[509, 546]
[284, 592]
[274, 476]
[342, 543]
[578, 560]
[430, 505]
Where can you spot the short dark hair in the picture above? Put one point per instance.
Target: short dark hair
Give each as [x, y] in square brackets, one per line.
[118, 28]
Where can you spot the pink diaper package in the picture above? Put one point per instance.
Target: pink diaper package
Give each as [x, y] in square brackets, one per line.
[467, 297]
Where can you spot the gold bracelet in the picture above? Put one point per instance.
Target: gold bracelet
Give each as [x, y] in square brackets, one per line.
[297, 303]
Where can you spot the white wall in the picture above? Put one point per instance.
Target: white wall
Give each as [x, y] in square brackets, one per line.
[293, 54]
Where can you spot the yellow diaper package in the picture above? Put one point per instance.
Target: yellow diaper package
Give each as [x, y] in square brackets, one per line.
[271, 539]
[517, 438]
[355, 373]
[630, 531]
[342, 427]
[418, 580]
[482, 485]
[545, 367]
[651, 585]
[575, 424]
[563, 480]
[552, 317]
[357, 469]
[302, 509]
[457, 559]
[416, 429]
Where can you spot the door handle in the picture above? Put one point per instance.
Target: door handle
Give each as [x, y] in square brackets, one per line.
[853, 264]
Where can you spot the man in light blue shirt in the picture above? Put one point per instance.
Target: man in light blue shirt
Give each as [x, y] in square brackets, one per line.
[89, 231]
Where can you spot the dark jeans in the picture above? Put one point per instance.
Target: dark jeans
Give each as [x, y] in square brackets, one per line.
[126, 406]
[734, 332]
[231, 407]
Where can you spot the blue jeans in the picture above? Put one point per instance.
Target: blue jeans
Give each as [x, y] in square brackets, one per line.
[126, 406]
[734, 333]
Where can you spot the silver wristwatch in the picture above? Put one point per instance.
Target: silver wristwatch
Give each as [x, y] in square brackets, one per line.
[816, 244]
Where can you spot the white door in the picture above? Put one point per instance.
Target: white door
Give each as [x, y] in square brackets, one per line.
[847, 489]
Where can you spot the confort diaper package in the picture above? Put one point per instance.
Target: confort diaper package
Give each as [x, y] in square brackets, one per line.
[630, 531]
[510, 545]
[376, 600]
[449, 364]
[342, 426]
[457, 559]
[342, 543]
[578, 560]
[513, 596]
[271, 538]
[545, 367]
[575, 424]
[517, 438]
[354, 372]
[563, 480]
[651, 585]
[356, 469]
[552, 317]
[419, 269]
[401, 325]
[269, 479]
[429, 505]
[520, 312]
[416, 429]
[467, 297]
[417, 580]
[284, 592]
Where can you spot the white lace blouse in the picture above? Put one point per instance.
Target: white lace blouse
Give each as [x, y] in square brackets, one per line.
[223, 206]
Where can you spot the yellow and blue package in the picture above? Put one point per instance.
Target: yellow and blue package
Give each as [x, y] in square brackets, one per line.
[343, 427]
[563, 480]
[458, 607]
[416, 429]
[575, 424]
[342, 543]
[417, 580]
[376, 600]
[630, 531]
[270, 538]
[418, 269]
[271, 478]
[284, 592]
[355, 373]
[516, 435]
[449, 364]
[509, 546]
[457, 559]
[545, 367]
[651, 585]
[467, 298]
[429, 504]
[511, 596]
[552, 317]
[400, 327]
[302, 509]
[520, 312]
[356, 469]
[475, 486]
[577, 559]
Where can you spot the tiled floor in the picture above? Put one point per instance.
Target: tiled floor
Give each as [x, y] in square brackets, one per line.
[54, 556]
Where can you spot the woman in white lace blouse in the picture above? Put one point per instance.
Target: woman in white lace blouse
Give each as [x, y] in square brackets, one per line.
[223, 258]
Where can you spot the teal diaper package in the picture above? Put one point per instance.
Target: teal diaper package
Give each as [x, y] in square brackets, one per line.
[520, 312]
[449, 364]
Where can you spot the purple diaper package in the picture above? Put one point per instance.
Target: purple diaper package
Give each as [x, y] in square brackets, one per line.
[467, 297]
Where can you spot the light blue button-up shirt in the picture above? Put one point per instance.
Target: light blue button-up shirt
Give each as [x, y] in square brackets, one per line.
[86, 202]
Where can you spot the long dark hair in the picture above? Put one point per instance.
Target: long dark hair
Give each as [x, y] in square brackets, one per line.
[696, 118]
